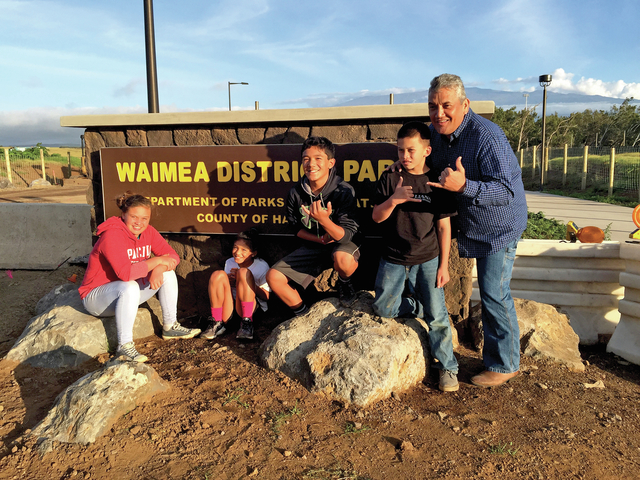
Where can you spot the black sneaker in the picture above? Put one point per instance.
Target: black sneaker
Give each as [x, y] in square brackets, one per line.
[301, 310]
[215, 329]
[246, 330]
[346, 292]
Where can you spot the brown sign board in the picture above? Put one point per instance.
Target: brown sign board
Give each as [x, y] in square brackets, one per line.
[228, 189]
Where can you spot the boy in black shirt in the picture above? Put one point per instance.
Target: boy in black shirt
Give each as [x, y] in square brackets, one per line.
[321, 210]
[417, 240]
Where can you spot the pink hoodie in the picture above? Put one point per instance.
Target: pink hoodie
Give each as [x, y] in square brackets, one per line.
[119, 255]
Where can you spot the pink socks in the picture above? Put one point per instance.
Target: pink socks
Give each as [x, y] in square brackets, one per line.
[247, 310]
[216, 313]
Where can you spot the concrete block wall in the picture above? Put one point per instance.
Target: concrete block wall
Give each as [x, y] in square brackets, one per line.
[41, 236]
[581, 279]
[625, 341]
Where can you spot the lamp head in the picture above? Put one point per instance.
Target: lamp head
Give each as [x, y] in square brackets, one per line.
[545, 80]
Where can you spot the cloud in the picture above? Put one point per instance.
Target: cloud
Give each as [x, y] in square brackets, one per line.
[129, 89]
[563, 82]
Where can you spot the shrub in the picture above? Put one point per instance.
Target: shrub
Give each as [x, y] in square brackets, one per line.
[541, 228]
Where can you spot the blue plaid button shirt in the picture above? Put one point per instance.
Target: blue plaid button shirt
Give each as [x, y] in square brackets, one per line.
[492, 210]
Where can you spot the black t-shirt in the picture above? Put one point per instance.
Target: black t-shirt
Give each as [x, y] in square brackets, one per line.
[410, 231]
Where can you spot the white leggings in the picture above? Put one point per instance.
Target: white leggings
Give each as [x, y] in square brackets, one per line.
[123, 298]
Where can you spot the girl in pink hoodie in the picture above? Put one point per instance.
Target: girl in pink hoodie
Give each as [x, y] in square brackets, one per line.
[122, 274]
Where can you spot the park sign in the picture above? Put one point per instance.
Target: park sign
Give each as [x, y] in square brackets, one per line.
[228, 189]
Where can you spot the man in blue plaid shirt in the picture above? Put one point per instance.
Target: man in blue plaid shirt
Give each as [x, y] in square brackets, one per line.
[477, 163]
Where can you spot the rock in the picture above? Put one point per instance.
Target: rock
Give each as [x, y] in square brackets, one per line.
[349, 354]
[40, 182]
[88, 408]
[5, 183]
[160, 138]
[61, 295]
[66, 335]
[544, 333]
[251, 136]
[598, 384]
[192, 136]
[406, 446]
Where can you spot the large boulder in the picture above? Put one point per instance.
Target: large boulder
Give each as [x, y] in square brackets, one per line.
[349, 354]
[544, 333]
[65, 335]
[88, 408]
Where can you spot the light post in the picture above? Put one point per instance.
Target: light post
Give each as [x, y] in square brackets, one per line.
[234, 83]
[545, 81]
[526, 98]
[150, 47]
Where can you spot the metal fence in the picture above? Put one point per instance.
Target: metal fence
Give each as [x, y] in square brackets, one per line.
[578, 168]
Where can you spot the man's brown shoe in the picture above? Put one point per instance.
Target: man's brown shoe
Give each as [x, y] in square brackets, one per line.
[488, 378]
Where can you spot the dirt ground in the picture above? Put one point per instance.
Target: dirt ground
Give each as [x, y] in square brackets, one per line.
[225, 417]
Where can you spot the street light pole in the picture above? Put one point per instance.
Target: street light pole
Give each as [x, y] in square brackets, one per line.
[545, 81]
[526, 98]
[150, 46]
[234, 83]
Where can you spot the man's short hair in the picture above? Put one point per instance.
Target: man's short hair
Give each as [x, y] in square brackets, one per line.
[322, 143]
[411, 129]
[449, 81]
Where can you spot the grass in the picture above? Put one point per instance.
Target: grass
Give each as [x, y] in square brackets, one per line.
[333, 473]
[235, 396]
[350, 428]
[508, 448]
[75, 161]
[276, 419]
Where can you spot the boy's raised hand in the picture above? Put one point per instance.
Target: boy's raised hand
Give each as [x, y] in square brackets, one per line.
[318, 212]
[403, 194]
[452, 180]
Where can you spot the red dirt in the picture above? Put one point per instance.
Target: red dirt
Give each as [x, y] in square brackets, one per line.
[225, 417]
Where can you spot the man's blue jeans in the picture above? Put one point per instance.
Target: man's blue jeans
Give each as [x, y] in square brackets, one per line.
[499, 321]
[429, 304]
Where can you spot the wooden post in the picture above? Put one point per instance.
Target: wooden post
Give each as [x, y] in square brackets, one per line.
[6, 158]
[564, 166]
[585, 156]
[533, 164]
[44, 173]
[69, 163]
[546, 160]
[612, 167]
[521, 152]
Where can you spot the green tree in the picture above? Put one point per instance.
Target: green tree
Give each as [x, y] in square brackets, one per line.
[519, 127]
[624, 125]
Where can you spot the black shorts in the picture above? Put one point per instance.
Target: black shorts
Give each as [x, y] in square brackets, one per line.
[307, 262]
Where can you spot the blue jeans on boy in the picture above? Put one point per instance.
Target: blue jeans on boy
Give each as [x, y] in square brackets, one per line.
[429, 304]
[501, 351]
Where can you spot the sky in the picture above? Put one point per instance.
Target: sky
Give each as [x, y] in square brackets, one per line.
[71, 57]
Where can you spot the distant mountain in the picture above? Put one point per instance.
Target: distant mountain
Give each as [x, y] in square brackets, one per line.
[563, 103]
